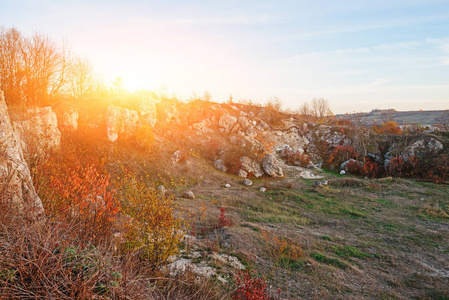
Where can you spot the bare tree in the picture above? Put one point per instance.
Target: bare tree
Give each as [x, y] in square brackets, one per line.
[81, 81]
[443, 119]
[321, 109]
[33, 70]
[305, 111]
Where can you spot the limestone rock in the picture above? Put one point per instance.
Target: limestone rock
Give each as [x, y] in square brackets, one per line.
[67, 117]
[251, 166]
[271, 166]
[219, 164]
[15, 179]
[147, 110]
[423, 145]
[242, 173]
[244, 122]
[40, 131]
[227, 122]
[247, 182]
[203, 126]
[121, 122]
[177, 156]
[189, 195]
[262, 190]
[227, 185]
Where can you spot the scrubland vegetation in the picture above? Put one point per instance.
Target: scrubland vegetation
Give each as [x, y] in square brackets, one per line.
[110, 231]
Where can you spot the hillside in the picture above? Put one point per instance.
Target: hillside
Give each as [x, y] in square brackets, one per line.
[426, 117]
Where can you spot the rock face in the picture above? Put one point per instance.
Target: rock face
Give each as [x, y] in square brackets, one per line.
[41, 130]
[250, 166]
[271, 166]
[15, 180]
[424, 145]
[121, 122]
[67, 118]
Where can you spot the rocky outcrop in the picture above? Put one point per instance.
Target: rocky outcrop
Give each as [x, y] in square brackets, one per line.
[271, 166]
[250, 166]
[40, 132]
[121, 122]
[16, 186]
[67, 117]
[203, 126]
[424, 145]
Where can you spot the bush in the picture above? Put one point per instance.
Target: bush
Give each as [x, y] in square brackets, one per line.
[153, 230]
[250, 287]
[389, 127]
[48, 260]
[429, 166]
[296, 158]
[79, 195]
[368, 169]
[223, 220]
[340, 154]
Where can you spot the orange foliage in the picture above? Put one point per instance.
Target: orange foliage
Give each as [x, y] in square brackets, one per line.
[389, 127]
[80, 194]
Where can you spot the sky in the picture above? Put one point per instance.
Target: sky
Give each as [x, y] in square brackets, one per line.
[360, 55]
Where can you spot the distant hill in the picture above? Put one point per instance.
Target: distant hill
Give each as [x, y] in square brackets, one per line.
[426, 117]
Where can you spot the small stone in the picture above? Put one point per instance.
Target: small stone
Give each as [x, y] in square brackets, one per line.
[262, 189]
[318, 183]
[325, 182]
[247, 182]
[342, 172]
[161, 189]
[189, 195]
[227, 185]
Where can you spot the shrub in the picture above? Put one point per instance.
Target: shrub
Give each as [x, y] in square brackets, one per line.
[78, 194]
[153, 229]
[340, 154]
[223, 220]
[47, 260]
[250, 287]
[429, 166]
[143, 138]
[389, 127]
[296, 158]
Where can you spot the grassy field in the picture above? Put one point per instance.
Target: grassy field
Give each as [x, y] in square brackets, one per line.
[379, 239]
[405, 117]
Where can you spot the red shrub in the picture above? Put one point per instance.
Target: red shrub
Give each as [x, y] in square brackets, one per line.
[371, 169]
[223, 220]
[354, 167]
[79, 194]
[250, 287]
[341, 154]
[295, 158]
[429, 166]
